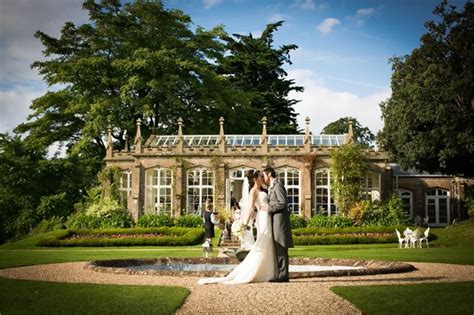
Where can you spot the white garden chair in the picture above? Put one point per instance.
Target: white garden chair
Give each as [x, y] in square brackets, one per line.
[407, 233]
[414, 238]
[425, 237]
[401, 239]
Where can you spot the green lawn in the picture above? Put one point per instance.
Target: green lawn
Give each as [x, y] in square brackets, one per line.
[434, 298]
[37, 297]
[450, 255]
[453, 245]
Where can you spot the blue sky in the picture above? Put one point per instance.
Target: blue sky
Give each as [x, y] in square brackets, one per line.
[342, 59]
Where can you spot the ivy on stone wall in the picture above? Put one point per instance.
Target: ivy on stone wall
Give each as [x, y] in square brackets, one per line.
[348, 169]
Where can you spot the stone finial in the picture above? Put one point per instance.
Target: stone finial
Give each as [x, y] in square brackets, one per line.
[307, 133]
[109, 144]
[126, 137]
[264, 128]
[221, 123]
[138, 137]
[109, 134]
[180, 127]
[350, 135]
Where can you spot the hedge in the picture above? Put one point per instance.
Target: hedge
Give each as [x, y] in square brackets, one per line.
[168, 236]
[349, 235]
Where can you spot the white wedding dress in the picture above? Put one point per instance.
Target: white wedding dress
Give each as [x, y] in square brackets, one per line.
[260, 263]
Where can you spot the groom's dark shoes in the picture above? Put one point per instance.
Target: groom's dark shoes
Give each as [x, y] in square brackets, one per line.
[279, 280]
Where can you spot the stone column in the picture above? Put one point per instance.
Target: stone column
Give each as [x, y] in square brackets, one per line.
[138, 193]
[178, 191]
[306, 193]
[220, 182]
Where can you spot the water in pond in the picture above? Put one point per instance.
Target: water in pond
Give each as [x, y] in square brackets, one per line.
[228, 267]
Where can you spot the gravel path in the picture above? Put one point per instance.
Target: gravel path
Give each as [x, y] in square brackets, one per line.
[299, 296]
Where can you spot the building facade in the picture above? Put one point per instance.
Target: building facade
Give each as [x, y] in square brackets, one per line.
[175, 174]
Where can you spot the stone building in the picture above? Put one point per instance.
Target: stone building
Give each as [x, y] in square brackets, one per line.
[175, 174]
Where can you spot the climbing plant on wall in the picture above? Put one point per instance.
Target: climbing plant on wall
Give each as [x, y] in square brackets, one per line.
[349, 166]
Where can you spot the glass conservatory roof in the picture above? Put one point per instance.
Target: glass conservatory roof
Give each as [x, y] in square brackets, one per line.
[246, 140]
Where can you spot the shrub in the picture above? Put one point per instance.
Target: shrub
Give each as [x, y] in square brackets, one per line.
[115, 219]
[329, 221]
[469, 200]
[52, 224]
[297, 221]
[348, 235]
[155, 220]
[165, 236]
[189, 220]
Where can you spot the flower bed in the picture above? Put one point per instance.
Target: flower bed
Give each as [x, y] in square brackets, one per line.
[166, 236]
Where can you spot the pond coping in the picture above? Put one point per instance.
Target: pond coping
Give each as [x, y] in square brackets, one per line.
[370, 267]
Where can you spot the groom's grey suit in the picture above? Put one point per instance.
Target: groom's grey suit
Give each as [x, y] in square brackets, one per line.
[278, 210]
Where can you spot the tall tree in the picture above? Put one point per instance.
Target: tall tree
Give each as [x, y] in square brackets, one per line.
[33, 188]
[132, 60]
[362, 135]
[254, 65]
[429, 117]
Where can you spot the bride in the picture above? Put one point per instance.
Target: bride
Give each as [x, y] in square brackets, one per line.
[260, 263]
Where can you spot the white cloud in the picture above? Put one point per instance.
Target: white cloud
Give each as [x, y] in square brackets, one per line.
[323, 105]
[19, 20]
[327, 25]
[210, 3]
[365, 12]
[308, 5]
[330, 57]
[305, 4]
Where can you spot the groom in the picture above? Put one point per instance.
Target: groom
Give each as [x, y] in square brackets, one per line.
[278, 211]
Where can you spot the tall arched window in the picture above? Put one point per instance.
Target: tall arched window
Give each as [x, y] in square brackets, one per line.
[437, 207]
[407, 198]
[200, 187]
[291, 179]
[125, 187]
[158, 191]
[325, 203]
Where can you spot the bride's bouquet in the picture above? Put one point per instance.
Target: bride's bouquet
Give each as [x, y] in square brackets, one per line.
[238, 228]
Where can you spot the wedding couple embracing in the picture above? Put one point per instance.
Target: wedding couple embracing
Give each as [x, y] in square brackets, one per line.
[267, 259]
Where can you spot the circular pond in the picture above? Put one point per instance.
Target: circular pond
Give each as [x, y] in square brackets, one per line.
[220, 266]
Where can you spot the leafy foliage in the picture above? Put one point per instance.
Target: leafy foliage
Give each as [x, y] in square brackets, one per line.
[189, 221]
[362, 135]
[367, 213]
[428, 119]
[297, 221]
[253, 65]
[52, 224]
[155, 220]
[333, 221]
[349, 170]
[34, 188]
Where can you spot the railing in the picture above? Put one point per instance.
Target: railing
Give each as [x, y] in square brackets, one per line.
[248, 140]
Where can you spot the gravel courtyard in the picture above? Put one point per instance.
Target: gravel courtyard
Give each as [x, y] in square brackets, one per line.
[311, 295]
